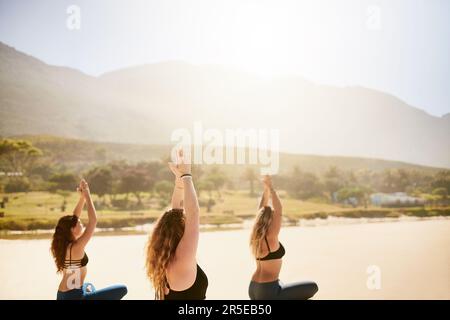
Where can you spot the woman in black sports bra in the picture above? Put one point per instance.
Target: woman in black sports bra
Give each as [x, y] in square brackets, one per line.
[69, 241]
[268, 252]
[172, 246]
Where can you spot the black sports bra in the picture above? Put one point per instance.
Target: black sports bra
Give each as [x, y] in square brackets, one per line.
[196, 292]
[77, 263]
[273, 255]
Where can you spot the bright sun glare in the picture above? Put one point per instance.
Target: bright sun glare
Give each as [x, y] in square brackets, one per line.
[257, 35]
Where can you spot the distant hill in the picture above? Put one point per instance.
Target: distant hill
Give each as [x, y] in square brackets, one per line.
[446, 117]
[80, 154]
[144, 104]
[36, 98]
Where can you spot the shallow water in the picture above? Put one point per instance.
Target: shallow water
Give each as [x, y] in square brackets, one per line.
[413, 258]
[245, 224]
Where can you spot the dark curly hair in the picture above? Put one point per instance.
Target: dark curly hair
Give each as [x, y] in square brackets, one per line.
[62, 238]
[161, 246]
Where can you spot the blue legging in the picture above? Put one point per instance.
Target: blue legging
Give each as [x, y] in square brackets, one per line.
[115, 292]
[275, 290]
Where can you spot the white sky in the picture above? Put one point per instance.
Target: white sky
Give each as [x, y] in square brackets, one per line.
[397, 46]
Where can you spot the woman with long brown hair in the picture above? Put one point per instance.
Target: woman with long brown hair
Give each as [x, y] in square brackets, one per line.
[68, 244]
[268, 252]
[171, 261]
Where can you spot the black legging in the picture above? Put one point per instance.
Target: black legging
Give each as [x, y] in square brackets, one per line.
[275, 290]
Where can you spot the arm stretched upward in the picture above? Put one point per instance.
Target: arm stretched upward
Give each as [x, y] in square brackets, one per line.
[80, 204]
[264, 202]
[185, 255]
[178, 194]
[83, 240]
[275, 226]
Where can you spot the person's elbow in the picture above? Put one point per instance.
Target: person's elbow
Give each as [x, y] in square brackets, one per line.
[193, 211]
[196, 211]
[93, 221]
[194, 208]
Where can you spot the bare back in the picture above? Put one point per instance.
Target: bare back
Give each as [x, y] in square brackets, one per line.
[269, 270]
[73, 277]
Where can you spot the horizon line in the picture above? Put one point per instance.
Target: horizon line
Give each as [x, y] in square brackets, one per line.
[228, 67]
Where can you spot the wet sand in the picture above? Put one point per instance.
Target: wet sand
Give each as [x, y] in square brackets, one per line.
[413, 257]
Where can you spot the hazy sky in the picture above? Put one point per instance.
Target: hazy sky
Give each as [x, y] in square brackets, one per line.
[400, 47]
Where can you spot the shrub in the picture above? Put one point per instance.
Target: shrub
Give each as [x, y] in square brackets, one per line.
[120, 203]
[17, 185]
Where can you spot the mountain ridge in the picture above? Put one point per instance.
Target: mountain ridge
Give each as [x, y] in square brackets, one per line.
[146, 103]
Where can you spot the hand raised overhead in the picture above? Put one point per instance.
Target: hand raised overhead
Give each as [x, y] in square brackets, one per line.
[267, 182]
[83, 188]
[180, 167]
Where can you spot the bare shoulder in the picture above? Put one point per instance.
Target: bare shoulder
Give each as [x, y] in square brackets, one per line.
[273, 242]
[77, 250]
[181, 275]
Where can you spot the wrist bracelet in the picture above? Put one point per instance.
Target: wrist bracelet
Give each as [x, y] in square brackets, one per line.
[186, 175]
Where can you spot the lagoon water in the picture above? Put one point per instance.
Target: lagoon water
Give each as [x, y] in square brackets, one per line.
[412, 257]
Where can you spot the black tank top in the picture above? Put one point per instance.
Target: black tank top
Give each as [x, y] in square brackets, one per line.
[77, 263]
[273, 255]
[196, 292]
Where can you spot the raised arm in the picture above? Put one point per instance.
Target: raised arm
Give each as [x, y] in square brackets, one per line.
[80, 204]
[188, 243]
[178, 194]
[264, 202]
[275, 226]
[83, 240]
[187, 247]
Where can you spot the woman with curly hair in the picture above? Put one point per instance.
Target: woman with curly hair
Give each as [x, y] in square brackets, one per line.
[171, 261]
[68, 243]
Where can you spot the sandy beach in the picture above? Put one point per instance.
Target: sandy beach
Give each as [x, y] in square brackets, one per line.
[413, 257]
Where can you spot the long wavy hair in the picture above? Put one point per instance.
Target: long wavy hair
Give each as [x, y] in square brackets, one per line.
[161, 246]
[62, 237]
[262, 222]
